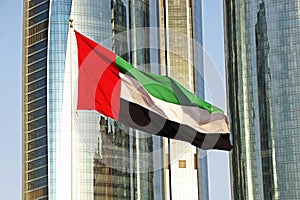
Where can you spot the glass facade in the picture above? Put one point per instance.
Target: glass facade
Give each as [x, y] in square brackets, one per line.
[262, 59]
[70, 154]
[123, 161]
[67, 154]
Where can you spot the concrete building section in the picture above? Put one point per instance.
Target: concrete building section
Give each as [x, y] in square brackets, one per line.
[181, 58]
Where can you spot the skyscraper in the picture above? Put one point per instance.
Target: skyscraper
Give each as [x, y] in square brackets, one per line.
[262, 63]
[63, 155]
[70, 154]
[181, 58]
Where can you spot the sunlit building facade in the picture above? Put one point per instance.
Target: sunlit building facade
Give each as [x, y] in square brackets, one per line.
[262, 64]
[181, 58]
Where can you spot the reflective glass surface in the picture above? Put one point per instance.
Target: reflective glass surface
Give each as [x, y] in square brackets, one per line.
[58, 25]
[68, 154]
[262, 51]
[76, 169]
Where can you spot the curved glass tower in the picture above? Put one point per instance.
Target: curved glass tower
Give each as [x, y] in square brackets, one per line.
[262, 63]
[67, 154]
[70, 154]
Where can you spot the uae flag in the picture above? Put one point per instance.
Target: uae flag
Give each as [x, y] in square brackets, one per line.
[155, 104]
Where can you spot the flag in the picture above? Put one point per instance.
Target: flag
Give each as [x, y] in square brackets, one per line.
[145, 101]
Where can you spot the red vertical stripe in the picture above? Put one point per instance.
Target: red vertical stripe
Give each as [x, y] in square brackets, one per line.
[99, 83]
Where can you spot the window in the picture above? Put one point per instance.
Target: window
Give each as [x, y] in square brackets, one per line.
[37, 37]
[182, 163]
[38, 173]
[38, 75]
[39, 9]
[38, 163]
[38, 18]
[36, 95]
[37, 56]
[37, 85]
[37, 66]
[37, 114]
[35, 2]
[195, 161]
[38, 183]
[37, 133]
[37, 143]
[37, 104]
[37, 47]
[38, 153]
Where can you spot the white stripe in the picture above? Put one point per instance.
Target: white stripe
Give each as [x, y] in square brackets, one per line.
[195, 117]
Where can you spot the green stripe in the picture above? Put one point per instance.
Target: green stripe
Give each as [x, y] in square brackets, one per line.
[164, 88]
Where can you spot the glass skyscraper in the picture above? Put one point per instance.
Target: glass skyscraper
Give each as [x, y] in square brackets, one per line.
[67, 154]
[263, 79]
[70, 154]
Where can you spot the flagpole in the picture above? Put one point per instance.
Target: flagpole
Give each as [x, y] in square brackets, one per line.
[167, 74]
[71, 88]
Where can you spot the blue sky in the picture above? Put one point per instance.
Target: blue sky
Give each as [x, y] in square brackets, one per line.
[10, 100]
[213, 33]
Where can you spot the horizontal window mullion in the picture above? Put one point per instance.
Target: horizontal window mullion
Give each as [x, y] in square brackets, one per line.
[37, 153]
[39, 9]
[38, 18]
[37, 173]
[37, 123]
[32, 96]
[37, 75]
[33, 48]
[42, 64]
[34, 3]
[37, 85]
[42, 182]
[37, 114]
[37, 104]
[37, 56]
[38, 163]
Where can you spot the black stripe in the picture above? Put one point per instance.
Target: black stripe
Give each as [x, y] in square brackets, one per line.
[138, 117]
